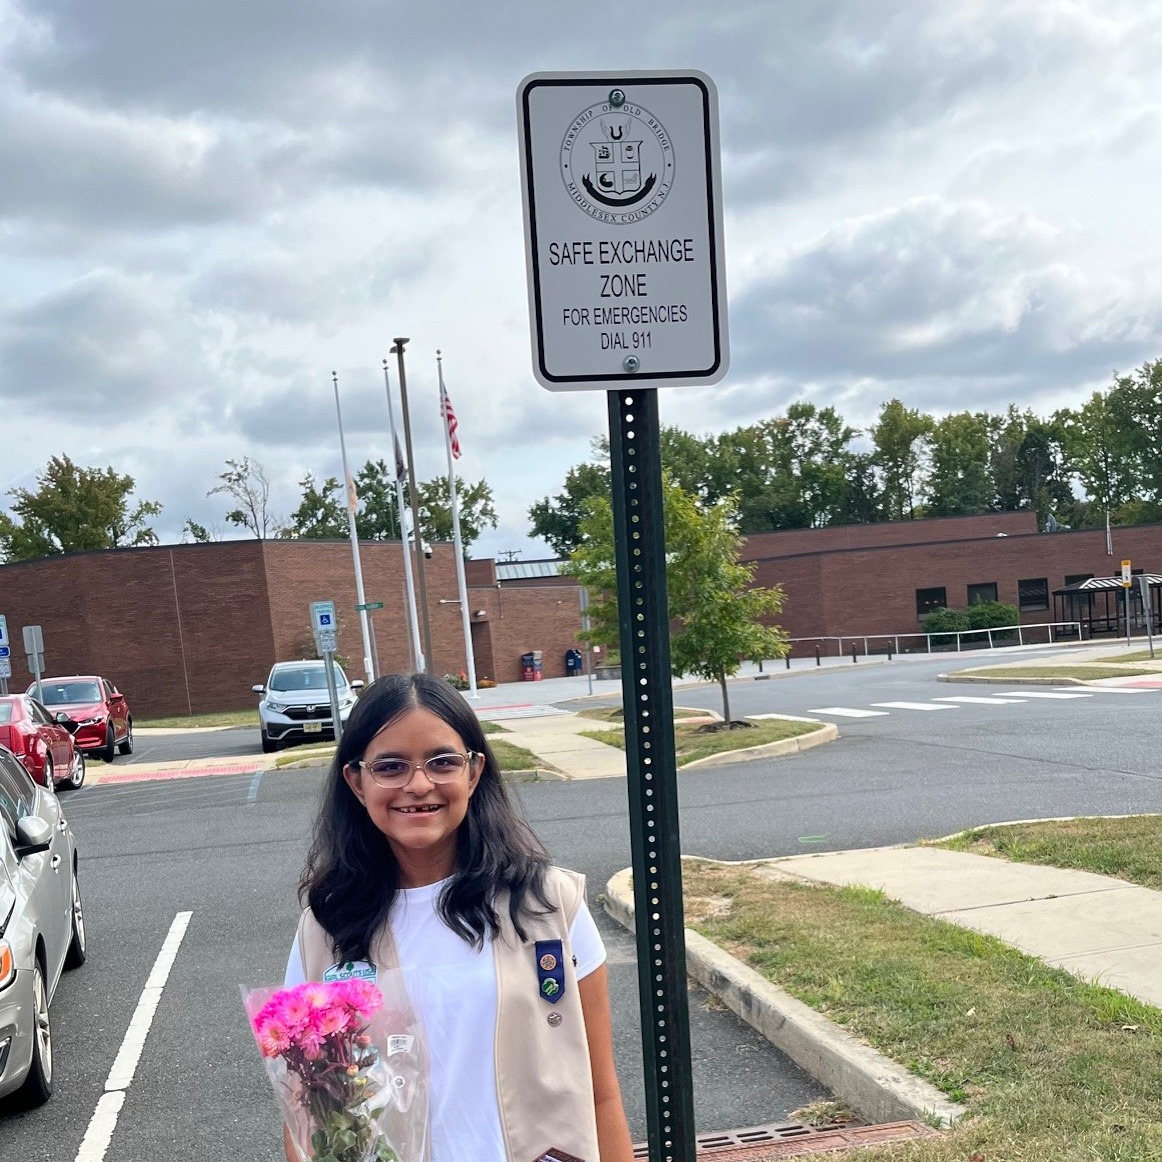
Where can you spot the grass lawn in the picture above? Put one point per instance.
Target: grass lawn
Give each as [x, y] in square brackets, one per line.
[219, 718]
[1051, 1069]
[1083, 672]
[510, 757]
[690, 744]
[1137, 656]
[615, 714]
[1130, 849]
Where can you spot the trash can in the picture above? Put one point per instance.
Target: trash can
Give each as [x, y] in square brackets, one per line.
[531, 666]
[572, 662]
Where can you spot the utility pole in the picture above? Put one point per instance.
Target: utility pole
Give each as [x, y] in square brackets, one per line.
[413, 495]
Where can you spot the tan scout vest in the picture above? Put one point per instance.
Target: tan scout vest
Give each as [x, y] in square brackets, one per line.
[544, 1087]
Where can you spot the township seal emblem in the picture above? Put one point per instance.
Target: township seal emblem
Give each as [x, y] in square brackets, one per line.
[617, 163]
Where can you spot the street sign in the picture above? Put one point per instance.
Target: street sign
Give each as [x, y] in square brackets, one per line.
[33, 640]
[326, 641]
[5, 651]
[369, 605]
[4, 642]
[623, 229]
[5, 667]
[1127, 574]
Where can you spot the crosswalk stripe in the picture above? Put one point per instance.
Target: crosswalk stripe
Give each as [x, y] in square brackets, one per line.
[1051, 694]
[914, 706]
[848, 712]
[980, 701]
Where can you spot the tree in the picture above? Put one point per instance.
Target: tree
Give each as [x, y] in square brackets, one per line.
[246, 482]
[1098, 451]
[192, 531]
[899, 437]
[557, 520]
[959, 483]
[321, 514]
[75, 510]
[378, 515]
[477, 510]
[719, 614]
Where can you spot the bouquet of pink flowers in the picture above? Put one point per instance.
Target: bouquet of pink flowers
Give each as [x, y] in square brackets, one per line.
[349, 1071]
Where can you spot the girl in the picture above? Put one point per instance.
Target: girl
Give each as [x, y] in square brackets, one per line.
[419, 862]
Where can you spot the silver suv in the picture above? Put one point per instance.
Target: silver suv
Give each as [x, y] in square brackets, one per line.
[295, 705]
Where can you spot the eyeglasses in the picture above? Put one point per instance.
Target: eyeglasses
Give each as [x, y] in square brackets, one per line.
[440, 768]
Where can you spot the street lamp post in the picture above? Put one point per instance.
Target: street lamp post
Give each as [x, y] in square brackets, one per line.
[413, 495]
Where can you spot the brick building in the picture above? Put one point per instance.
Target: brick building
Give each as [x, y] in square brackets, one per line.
[883, 578]
[190, 628]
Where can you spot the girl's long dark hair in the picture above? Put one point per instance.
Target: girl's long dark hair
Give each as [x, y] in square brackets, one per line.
[351, 875]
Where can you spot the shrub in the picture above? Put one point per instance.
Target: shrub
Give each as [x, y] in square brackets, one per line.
[945, 621]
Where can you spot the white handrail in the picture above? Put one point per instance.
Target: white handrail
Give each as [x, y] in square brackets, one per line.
[1073, 628]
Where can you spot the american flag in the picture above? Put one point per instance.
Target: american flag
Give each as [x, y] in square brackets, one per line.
[401, 468]
[449, 418]
[352, 495]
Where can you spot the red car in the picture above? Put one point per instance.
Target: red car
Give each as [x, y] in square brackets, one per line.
[104, 724]
[42, 743]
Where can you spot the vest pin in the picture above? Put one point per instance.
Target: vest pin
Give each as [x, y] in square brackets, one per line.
[554, 1018]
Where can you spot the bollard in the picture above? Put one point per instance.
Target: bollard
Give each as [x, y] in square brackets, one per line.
[889, 651]
[817, 661]
[788, 660]
[760, 665]
[854, 659]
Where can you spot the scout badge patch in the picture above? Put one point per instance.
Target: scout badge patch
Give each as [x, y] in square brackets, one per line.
[550, 970]
[555, 1155]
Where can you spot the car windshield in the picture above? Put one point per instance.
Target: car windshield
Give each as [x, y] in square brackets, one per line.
[309, 678]
[5, 712]
[63, 693]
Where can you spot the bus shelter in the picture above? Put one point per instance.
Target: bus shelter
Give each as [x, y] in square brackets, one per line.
[1100, 605]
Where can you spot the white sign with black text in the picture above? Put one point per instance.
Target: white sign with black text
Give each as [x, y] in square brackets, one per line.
[623, 229]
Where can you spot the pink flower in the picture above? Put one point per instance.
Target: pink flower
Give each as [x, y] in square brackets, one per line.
[316, 994]
[361, 997]
[332, 1019]
[273, 1036]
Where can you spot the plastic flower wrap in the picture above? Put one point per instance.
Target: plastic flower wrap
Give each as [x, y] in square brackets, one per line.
[348, 1066]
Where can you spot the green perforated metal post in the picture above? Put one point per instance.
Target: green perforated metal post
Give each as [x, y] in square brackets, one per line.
[647, 695]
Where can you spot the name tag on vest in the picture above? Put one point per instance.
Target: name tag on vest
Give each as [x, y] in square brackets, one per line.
[352, 970]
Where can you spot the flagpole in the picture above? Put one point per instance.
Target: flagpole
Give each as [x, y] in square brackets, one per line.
[400, 508]
[461, 583]
[349, 489]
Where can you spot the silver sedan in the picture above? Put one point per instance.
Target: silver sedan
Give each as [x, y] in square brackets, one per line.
[42, 927]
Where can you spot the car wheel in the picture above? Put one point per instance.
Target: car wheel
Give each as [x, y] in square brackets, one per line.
[126, 747]
[77, 770]
[37, 1087]
[268, 743]
[49, 779]
[78, 949]
[109, 750]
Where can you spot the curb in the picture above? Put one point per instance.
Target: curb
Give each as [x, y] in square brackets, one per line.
[1013, 681]
[876, 1086]
[827, 732]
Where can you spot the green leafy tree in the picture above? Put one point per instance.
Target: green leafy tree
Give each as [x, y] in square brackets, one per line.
[378, 515]
[557, 520]
[900, 439]
[75, 509]
[477, 510]
[246, 482]
[199, 534]
[1099, 453]
[959, 482]
[321, 514]
[720, 616]
[1137, 403]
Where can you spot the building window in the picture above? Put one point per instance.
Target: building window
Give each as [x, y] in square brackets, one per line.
[982, 594]
[1033, 593]
[1076, 578]
[929, 599]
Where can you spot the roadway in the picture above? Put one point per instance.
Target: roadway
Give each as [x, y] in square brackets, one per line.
[229, 849]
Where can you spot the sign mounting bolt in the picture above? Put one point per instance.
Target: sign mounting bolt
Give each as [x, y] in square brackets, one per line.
[617, 98]
[631, 363]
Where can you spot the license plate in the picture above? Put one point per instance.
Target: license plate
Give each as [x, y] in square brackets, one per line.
[312, 727]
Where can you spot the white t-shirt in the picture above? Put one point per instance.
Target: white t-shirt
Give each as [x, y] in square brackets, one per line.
[453, 989]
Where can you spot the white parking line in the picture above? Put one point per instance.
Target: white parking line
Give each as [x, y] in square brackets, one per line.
[914, 706]
[847, 712]
[104, 1120]
[979, 701]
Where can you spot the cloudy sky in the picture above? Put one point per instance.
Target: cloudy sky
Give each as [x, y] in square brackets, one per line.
[205, 208]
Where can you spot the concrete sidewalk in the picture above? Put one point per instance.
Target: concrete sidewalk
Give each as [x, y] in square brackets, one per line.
[1098, 928]
[556, 739]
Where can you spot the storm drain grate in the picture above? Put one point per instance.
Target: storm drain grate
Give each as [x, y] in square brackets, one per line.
[794, 1139]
